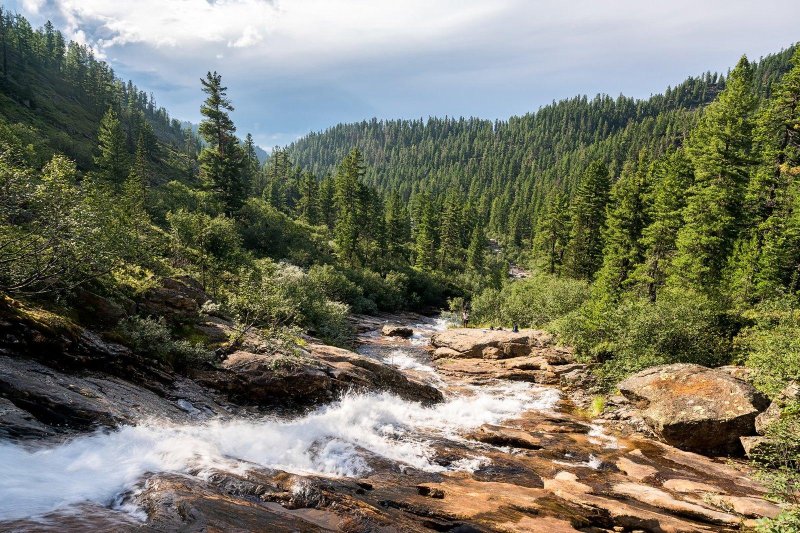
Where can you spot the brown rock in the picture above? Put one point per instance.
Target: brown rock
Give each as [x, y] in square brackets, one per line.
[503, 436]
[471, 342]
[492, 352]
[309, 378]
[445, 353]
[391, 330]
[754, 445]
[637, 471]
[689, 486]
[695, 408]
[663, 500]
[177, 299]
[751, 507]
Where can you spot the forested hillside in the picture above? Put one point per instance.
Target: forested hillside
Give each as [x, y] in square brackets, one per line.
[504, 169]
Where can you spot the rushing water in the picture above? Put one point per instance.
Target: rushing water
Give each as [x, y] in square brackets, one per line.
[335, 440]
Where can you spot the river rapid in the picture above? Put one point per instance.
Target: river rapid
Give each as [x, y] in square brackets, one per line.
[342, 439]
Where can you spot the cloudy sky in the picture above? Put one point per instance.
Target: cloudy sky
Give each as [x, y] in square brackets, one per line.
[293, 66]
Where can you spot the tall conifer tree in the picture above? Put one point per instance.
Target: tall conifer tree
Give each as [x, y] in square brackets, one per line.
[221, 161]
[584, 253]
[720, 151]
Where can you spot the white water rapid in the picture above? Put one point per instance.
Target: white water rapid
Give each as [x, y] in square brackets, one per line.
[335, 440]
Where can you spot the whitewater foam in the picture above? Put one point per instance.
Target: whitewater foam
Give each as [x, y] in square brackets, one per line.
[402, 360]
[336, 440]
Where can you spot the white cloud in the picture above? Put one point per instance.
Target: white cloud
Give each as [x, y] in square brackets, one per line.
[296, 65]
[250, 36]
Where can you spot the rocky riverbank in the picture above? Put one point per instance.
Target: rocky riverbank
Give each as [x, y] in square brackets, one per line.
[457, 430]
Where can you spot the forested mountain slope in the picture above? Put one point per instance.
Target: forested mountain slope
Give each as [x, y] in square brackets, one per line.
[55, 94]
[513, 163]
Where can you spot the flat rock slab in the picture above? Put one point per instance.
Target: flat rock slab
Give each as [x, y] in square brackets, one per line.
[493, 344]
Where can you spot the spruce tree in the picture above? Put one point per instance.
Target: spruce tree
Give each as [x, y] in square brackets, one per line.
[552, 231]
[425, 236]
[397, 228]
[221, 161]
[720, 151]
[584, 254]
[308, 203]
[672, 177]
[476, 250]
[348, 199]
[112, 155]
[628, 215]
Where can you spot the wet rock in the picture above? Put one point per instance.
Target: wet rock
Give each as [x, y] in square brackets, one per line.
[788, 396]
[16, 423]
[181, 503]
[393, 330]
[695, 408]
[504, 436]
[41, 401]
[319, 375]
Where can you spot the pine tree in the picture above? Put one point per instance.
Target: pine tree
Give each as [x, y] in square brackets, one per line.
[425, 236]
[552, 232]
[769, 254]
[450, 231]
[672, 176]
[221, 161]
[112, 156]
[476, 250]
[397, 228]
[327, 203]
[584, 254]
[628, 215]
[308, 203]
[134, 194]
[251, 165]
[349, 207]
[720, 151]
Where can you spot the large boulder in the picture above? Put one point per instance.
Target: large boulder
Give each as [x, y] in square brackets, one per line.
[318, 375]
[392, 330]
[695, 408]
[490, 344]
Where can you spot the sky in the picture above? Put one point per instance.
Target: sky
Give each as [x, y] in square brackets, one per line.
[295, 66]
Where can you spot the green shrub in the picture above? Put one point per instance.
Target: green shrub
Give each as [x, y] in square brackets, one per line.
[680, 327]
[531, 302]
[786, 522]
[152, 338]
[778, 466]
[772, 345]
[277, 295]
